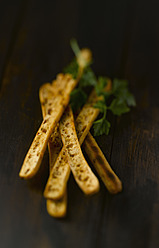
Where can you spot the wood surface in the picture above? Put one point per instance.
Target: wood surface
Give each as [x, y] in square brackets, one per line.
[34, 47]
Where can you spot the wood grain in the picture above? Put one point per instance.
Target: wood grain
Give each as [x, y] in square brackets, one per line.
[34, 47]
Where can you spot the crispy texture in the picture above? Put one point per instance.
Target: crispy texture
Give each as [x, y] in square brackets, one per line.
[109, 178]
[54, 146]
[56, 106]
[56, 184]
[83, 175]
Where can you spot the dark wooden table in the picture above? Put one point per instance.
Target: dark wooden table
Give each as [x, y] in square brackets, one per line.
[34, 47]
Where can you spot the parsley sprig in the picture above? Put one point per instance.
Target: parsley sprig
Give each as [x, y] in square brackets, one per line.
[102, 125]
[121, 97]
[118, 100]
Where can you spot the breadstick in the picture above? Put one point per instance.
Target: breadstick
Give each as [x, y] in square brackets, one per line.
[56, 105]
[55, 208]
[96, 156]
[83, 175]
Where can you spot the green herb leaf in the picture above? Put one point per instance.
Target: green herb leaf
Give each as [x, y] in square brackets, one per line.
[130, 99]
[101, 126]
[75, 47]
[72, 68]
[78, 98]
[120, 90]
[121, 98]
[118, 107]
[119, 85]
[102, 82]
[88, 78]
[101, 106]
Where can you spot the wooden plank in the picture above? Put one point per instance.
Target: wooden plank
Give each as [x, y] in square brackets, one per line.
[40, 51]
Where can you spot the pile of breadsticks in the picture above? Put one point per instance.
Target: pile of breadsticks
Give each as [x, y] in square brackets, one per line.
[64, 136]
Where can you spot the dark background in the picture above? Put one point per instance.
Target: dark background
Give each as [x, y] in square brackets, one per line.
[34, 47]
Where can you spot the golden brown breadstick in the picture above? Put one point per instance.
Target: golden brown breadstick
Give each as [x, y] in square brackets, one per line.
[83, 175]
[96, 156]
[56, 107]
[56, 208]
